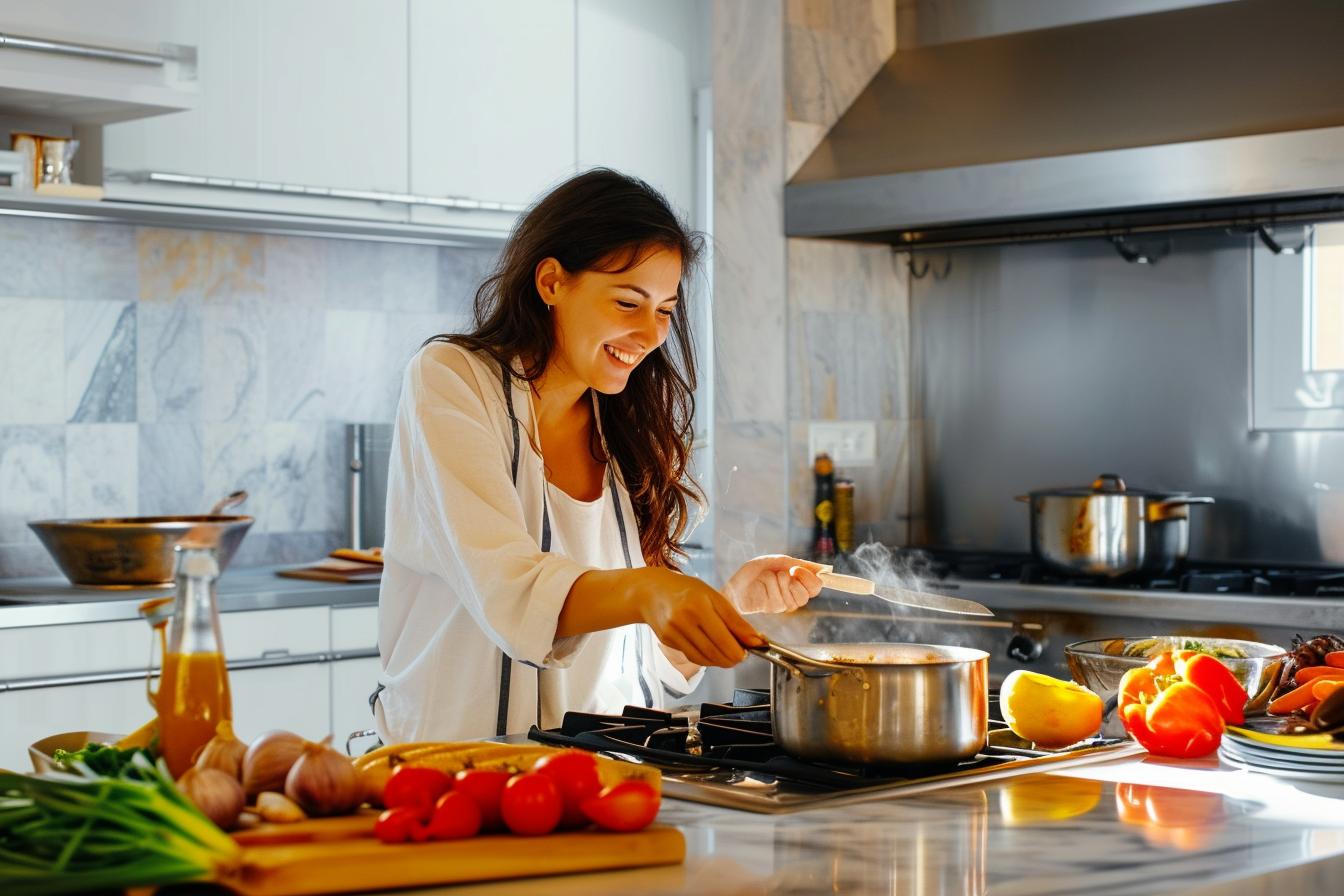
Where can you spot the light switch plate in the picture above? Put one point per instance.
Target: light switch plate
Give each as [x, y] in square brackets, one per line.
[851, 443]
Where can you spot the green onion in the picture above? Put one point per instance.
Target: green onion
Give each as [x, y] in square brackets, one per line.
[62, 833]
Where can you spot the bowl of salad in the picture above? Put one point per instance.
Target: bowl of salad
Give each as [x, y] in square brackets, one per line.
[1100, 664]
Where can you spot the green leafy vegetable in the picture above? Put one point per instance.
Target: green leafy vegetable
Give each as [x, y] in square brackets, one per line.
[63, 833]
[103, 759]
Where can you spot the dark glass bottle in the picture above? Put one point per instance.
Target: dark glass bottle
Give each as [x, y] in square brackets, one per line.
[823, 516]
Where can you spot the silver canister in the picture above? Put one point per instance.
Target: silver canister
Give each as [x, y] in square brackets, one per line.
[879, 704]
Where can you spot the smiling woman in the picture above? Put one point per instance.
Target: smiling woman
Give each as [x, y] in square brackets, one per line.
[538, 489]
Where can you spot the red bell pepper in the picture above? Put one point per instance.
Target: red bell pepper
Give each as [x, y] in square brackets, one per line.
[1178, 703]
[1216, 680]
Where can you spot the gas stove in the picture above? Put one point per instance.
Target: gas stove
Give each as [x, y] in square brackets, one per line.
[725, 755]
[948, 566]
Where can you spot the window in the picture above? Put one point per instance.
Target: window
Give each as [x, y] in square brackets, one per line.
[1297, 328]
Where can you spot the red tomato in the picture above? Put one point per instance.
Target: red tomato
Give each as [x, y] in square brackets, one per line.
[456, 815]
[485, 786]
[627, 806]
[575, 774]
[531, 804]
[400, 825]
[412, 786]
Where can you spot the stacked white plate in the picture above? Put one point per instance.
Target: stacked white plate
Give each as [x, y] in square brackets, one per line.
[1315, 759]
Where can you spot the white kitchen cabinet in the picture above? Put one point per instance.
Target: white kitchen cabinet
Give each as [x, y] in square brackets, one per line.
[219, 136]
[295, 698]
[332, 108]
[287, 685]
[635, 92]
[352, 681]
[291, 690]
[28, 716]
[492, 100]
[353, 630]
[293, 92]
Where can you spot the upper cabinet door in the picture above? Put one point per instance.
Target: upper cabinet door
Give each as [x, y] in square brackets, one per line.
[492, 98]
[291, 92]
[635, 92]
[219, 136]
[332, 105]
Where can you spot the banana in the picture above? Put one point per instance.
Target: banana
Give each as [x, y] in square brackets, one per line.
[386, 750]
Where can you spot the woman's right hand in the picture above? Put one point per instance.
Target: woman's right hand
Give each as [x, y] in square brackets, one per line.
[688, 615]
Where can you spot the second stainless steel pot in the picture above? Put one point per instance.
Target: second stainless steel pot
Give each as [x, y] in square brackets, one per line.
[879, 704]
[1107, 529]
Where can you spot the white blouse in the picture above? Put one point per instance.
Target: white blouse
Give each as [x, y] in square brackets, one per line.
[465, 580]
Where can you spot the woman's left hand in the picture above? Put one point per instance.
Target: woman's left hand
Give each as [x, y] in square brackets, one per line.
[774, 583]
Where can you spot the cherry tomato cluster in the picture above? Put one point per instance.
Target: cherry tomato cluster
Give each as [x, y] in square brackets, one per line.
[562, 790]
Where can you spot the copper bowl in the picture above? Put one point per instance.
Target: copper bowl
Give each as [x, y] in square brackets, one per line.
[136, 551]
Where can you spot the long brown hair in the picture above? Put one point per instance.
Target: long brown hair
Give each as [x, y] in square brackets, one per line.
[602, 220]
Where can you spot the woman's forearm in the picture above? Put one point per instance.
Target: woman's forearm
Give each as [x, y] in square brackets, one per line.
[601, 599]
[684, 612]
[609, 598]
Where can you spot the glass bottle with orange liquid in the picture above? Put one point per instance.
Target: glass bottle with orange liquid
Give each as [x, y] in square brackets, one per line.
[193, 695]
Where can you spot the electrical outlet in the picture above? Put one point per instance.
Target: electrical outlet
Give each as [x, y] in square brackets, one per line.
[849, 443]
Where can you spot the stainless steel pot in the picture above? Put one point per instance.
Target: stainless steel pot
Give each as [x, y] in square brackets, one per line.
[1108, 529]
[879, 704]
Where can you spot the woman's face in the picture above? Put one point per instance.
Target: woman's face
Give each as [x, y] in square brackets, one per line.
[606, 324]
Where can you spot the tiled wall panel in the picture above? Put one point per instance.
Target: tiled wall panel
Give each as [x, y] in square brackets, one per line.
[153, 370]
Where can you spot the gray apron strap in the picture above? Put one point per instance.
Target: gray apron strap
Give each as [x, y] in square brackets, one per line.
[506, 661]
[629, 564]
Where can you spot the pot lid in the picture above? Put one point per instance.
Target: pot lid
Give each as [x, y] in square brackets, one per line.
[1105, 484]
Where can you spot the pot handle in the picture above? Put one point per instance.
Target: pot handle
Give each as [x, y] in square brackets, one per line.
[1179, 501]
[795, 663]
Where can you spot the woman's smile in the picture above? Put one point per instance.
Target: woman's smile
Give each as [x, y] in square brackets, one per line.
[626, 360]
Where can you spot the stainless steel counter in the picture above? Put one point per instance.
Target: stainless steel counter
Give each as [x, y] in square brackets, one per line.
[54, 601]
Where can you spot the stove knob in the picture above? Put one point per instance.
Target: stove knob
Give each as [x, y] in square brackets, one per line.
[1024, 648]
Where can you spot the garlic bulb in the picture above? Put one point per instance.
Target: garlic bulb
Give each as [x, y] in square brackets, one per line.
[217, 794]
[268, 760]
[323, 781]
[224, 752]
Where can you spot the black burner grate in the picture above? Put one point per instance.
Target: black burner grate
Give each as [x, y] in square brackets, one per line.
[728, 736]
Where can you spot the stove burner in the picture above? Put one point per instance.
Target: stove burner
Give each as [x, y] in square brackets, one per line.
[734, 736]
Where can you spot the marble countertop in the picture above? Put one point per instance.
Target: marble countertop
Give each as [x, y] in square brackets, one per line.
[1133, 826]
[54, 601]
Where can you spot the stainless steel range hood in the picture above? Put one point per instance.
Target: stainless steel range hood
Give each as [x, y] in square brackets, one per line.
[1220, 115]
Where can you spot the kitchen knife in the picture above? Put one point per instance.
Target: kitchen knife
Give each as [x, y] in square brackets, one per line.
[903, 596]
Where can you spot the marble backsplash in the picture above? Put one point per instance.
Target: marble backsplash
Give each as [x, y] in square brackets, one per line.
[151, 371]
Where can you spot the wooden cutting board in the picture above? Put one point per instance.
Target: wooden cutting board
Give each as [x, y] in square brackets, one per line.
[312, 830]
[361, 863]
